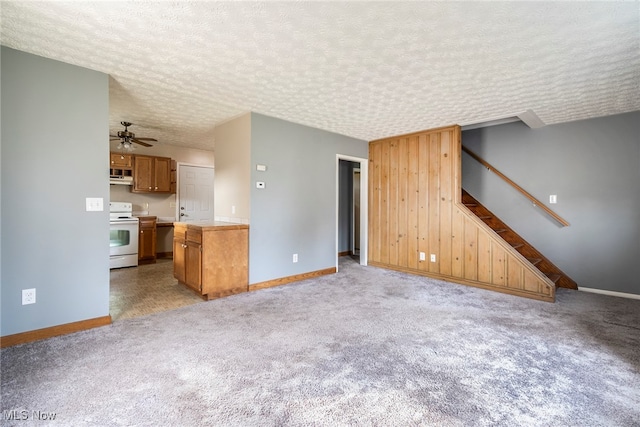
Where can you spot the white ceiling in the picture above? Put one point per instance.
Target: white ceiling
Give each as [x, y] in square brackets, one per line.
[362, 69]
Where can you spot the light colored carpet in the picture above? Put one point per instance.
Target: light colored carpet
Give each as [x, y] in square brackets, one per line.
[365, 346]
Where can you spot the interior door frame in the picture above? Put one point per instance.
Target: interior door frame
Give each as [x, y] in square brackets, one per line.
[181, 164]
[364, 205]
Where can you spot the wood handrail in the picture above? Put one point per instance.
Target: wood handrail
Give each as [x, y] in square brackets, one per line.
[535, 201]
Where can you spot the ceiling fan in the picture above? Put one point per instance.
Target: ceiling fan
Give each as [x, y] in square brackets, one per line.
[126, 138]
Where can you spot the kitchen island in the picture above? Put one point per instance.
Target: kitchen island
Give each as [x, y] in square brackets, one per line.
[212, 258]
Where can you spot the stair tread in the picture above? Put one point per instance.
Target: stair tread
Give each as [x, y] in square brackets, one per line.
[500, 230]
[516, 245]
[534, 261]
[471, 205]
[484, 216]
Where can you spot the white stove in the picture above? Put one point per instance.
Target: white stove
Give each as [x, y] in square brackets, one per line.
[123, 235]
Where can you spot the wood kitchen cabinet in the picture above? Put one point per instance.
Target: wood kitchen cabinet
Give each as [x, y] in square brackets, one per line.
[212, 258]
[147, 240]
[120, 165]
[121, 161]
[187, 262]
[151, 174]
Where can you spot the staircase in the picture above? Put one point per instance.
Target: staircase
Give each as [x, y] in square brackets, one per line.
[518, 243]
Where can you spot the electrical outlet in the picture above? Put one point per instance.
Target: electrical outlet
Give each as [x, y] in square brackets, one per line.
[433, 257]
[423, 256]
[295, 257]
[28, 296]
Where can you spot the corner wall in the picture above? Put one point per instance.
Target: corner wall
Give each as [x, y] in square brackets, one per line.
[296, 211]
[593, 166]
[49, 241]
[232, 151]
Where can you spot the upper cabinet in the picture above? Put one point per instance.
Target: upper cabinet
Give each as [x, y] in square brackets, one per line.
[121, 161]
[151, 174]
[121, 165]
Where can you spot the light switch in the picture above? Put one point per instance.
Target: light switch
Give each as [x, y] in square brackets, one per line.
[94, 204]
[261, 168]
[553, 199]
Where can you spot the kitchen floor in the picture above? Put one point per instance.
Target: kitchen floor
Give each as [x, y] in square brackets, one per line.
[147, 289]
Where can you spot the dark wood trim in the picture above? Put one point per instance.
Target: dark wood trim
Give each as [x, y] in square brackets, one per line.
[53, 331]
[164, 255]
[344, 253]
[289, 279]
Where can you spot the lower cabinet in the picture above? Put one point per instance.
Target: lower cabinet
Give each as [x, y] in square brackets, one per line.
[187, 262]
[212, 258]
[147, 240]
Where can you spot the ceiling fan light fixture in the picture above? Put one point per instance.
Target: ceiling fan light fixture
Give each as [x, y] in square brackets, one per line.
[128, 139]
[126, 146]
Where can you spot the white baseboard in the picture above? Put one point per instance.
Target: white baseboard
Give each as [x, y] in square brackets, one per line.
[610, 293]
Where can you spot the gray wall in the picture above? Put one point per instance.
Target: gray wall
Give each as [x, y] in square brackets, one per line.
[296, 212]
[593, 166]
[54, 154]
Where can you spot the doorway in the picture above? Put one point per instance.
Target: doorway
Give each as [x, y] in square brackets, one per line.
[355, 210]
[352, 204]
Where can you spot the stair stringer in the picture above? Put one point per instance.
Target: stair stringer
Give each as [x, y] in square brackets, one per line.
[508, 271]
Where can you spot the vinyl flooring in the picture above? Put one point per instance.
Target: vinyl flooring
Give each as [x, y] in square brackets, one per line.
[147, 289]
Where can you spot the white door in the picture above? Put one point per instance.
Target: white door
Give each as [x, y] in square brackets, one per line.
[195, 193]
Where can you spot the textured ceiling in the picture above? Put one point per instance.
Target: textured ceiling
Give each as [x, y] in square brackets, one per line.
[362, 69]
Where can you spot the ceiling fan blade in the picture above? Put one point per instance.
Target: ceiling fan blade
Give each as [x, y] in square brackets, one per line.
[146, 139]
[144, 144]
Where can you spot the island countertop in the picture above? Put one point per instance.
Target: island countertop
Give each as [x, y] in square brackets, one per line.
[212, 225]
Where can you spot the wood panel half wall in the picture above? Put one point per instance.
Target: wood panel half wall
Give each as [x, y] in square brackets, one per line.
[418, 224]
